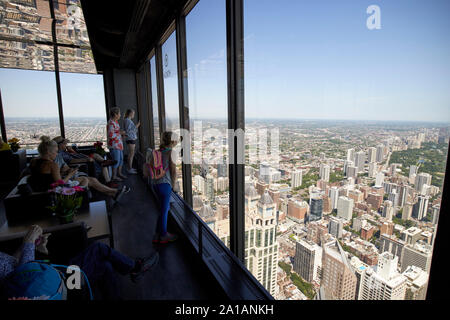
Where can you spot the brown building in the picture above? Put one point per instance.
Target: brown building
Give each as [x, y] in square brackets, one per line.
[326, 204]
[375, 200]
[316, 232]
[275, 195]
[337, 275]
[356, 195]
[367, 232]
[387, 228]
[261, 187]
[297, 209]
[370, 258]
[365, 190]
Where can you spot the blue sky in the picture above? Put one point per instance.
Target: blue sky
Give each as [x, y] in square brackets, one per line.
[303, 59]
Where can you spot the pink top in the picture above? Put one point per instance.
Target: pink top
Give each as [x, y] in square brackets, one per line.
[114, 136]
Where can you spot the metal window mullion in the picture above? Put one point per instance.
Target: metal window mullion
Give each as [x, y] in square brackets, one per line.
[149, 97]
[236, 120]
[160, 88]
[183, 103]
[56, 63]
[2, 119]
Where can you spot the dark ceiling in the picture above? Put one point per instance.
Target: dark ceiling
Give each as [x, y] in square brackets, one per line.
[122, 33]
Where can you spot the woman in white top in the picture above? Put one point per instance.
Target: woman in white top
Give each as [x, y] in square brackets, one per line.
[131, 132]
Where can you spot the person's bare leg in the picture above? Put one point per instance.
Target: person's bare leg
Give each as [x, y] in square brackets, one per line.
[106, 174]
[120, 174]
[83, 181]
[95, 184]
[114, 173]
[131, 149]
[98, 157]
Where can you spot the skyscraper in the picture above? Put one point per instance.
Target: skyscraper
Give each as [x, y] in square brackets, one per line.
[421, 207]
[352, 172]
[351, 155]
[315, 206]
[372, 155]
[334, 195]
[380, 154]
[209, 185]
[372, 170]
[296, 178]
[324, 172]
[337, 275]
[418, 254]
[421, 179]
[335, 227]
[308, 260]
[360, 160]
[379, 180]
[345, 208]
[388, 210]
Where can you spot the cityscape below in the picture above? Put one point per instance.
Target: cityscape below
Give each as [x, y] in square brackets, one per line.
[348, 210]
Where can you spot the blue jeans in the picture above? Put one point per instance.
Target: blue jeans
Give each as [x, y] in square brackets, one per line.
[117, 155]
[163, 191]
[100, 262]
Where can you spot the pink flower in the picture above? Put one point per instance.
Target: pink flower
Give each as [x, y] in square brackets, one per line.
[78, 189]
[68, 191]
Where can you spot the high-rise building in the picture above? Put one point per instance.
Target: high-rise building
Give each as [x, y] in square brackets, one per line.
[324, 172]
[418, 255]
[403, 195]
[375, 200]
[335, 227]
[407, 211]
[390, 243]
[384, 284]
[435, 211]
[394, 197]
[296, 178]
[345, 208]
[412, 171]
[209, 185]
[337, 275]
[388, 210]
[358, 268]
[351, 155]
[372, 170]
[421, 179]
[222, 170]
[334, 195]
[347, 164]
[372, 155]
[315, 206]
[380, 154]
[360, 160]
[352, 172]
[379, 180]
[421, 207]
[264, 172]
[308, 260]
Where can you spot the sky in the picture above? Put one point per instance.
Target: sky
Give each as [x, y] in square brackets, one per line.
[303, 60]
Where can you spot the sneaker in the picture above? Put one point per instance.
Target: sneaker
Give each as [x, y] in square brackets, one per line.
[132, 171]
[156, 238]
[169, 237]
[145, 264]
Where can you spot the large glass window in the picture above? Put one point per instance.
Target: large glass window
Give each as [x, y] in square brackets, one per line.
[169, 61]
[30, 105]
[83, 101]
[354, 98]
[207, 83]
[155, 103]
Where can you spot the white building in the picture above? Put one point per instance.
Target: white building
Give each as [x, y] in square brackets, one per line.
[421, 179]
[308, 260]
[372, 155]
[324, 172]
[384, 284]
[296, 178]
[333, 193]
[345, 208]
[379, 180]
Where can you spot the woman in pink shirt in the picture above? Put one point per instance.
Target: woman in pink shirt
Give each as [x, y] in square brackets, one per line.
[115, 144]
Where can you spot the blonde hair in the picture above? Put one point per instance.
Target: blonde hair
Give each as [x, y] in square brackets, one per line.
[46, 145]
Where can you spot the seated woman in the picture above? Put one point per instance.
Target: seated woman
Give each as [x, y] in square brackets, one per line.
[99, 262]
[45, 171]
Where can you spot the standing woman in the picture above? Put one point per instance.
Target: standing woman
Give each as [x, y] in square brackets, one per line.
[163, 187]
[115, 144]
[131, 132]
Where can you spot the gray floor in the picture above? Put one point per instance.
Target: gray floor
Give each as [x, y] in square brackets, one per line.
[179, 275]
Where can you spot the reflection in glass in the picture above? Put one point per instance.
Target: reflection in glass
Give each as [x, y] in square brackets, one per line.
[207, 83]
[169, 61]
[155, 101]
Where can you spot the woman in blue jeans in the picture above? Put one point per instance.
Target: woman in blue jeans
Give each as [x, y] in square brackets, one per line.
[163, 188]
